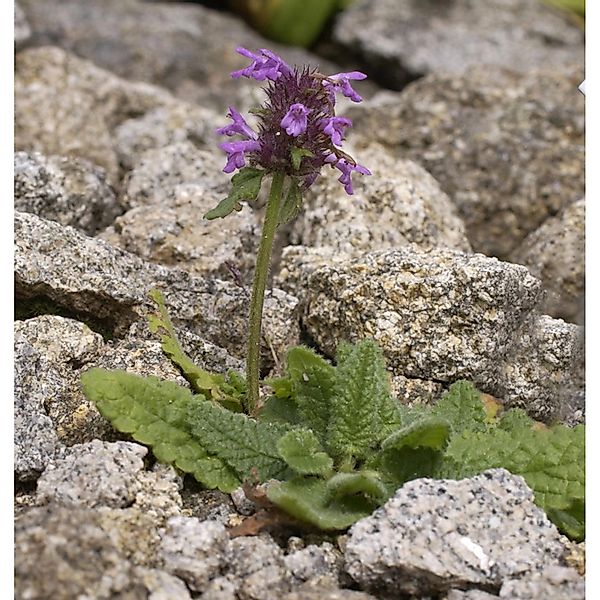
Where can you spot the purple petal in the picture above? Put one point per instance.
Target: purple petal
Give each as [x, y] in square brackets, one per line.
[238, 127]
[295, 120]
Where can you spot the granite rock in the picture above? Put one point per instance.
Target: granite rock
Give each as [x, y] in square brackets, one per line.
[187, 48]
[555, 253]
[553, 583]
[442, 315]
[67, 106]
[21, 28]
[318, 591]
[170, 189]
[401, 40]
[49, 350]
[68, 552]
[435, 535]
[437, 315]
[193, 550]
[164, 126]
[508, 149]
[544, 371]
[93, 474]
[314, 562]
[69, 190]
[258, 569]
[399, 205]
[89, 277]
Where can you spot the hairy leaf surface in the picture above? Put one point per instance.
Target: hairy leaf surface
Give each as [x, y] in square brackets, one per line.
[552, 462]
[245, 185]
[302, 451]
[461, 406]
[309, 500]
[426, 432]
[313, 380]
[361, 390]
[155, 413]
[246, 445]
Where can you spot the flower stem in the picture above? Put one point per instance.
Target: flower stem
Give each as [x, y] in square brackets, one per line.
[261, 271]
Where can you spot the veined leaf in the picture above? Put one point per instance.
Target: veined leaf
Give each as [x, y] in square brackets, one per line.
[462, 407]
[297, 154]
[245, 185]
[246, 445]
[552, 462]
[360, 482]
[361, 388]
[428, 432]
[155, 413]
[302, 451]
[309, 500]
[279, 410]
[312, 380]
[291, 204]
[213, 385]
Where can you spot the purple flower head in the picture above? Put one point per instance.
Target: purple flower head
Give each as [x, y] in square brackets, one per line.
[265, 65]
[347, 168]
[238, 127]
[334, 128]
[295, 120]
[236, 158]
[341, 83]
[298, 132]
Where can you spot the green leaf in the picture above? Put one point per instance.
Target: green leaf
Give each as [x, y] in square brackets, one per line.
[427, 432]
[309, 500]
[513, 419]
[279, 410]
[291, 203]
[361, 390]
[552, 462]
[214, 385]
[297, 154]
[312, 380]
[362, 482]
[246, 445]
[155, 413]
[245, 185]
[302, 451]
[461, 406]
[397, 466]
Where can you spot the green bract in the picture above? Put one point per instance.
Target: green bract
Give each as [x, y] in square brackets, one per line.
[331, 440]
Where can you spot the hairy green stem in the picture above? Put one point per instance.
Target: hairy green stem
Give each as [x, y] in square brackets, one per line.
[261, 271]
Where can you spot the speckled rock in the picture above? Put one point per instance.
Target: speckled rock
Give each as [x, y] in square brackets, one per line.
[314, 562]
[193, 550]
[317, 591]
[187, 48]
[400, 204]
[553, 583]
[402, 40]
[94, 474]
[442, 315]
[437, 315]
[544, 371]
[170, 189]
[90, 277]
[35, 439]
[49, 350]
[258, 569]
[434, 535]
[68, 552]
[68, 106]
[508, 149]
[469, 595]
[22, 29]
[69, 190]
[555, 254]
[163, 126]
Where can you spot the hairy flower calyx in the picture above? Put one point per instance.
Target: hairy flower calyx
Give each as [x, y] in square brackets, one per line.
[297, 131]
